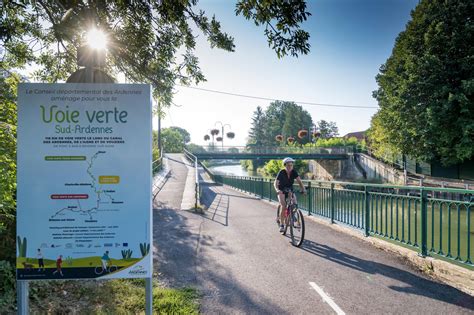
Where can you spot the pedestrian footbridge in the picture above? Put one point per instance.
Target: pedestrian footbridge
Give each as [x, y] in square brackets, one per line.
[271, 153]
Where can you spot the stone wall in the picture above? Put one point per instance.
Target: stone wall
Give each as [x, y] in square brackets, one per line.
[335, 169]
[342, 170]
[379, 171]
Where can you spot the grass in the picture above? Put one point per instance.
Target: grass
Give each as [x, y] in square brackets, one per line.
[124, 296]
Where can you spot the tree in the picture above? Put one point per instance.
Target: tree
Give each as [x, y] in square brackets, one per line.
[183, 132]
[426, 87]
[285, 118]
[274, 120]
[378, 139]
[194, 148]
[328, 129]
[8, 119]
[149, 41]
[296, 118]
[173, 141]
[286, 36]
[256, 133]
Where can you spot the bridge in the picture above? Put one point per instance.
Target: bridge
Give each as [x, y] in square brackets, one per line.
[233, 254]
[271, 153]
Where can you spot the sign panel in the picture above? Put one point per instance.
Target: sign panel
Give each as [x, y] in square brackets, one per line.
[84, 181]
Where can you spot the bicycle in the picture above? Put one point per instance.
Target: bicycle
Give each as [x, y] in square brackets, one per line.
[100, 269]
[295, 221]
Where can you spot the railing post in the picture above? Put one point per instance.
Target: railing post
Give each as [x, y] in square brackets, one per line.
[310, 199]
[366, 211]
[424, 223]
[261, 188]
[332, 203]
[270, 188]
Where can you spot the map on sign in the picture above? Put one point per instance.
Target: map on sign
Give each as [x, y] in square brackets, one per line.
[98, 194]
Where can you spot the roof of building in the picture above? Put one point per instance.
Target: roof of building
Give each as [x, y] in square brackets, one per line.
[360, 135]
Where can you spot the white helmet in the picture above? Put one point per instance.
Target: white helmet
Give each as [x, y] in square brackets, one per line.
[288, 160]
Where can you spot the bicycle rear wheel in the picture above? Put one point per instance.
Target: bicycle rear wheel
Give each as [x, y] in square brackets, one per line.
[98, 270]
[297, 228]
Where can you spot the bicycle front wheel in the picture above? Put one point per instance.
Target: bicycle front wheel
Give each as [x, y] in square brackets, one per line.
[297, 228]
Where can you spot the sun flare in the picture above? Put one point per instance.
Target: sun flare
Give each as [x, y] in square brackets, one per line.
[96, 39]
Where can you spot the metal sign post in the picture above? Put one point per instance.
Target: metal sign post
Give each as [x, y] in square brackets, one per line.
[22, 297]
[149, 296]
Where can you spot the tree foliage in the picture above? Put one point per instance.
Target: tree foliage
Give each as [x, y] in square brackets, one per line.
[285, 118]
[184, 133]
[172, 141]
[282, 21]
[327, 129]
[272, 167]
[149, 41]
[426, 87]
[256, 133]
[8, 119]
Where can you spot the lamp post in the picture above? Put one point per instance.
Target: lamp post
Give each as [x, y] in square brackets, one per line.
[159, 128]
[213, 132]
[222, 128]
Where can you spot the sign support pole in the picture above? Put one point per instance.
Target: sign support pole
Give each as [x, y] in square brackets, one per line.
[149, 296]
[22, 297]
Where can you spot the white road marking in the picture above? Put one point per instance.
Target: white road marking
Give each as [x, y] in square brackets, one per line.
[327, 299]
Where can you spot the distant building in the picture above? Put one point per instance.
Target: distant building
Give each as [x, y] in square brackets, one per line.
[360, 135]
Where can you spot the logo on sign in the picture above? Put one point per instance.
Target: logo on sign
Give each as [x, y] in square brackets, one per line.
[138, 270]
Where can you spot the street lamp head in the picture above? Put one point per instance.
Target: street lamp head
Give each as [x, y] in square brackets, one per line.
[96, 39]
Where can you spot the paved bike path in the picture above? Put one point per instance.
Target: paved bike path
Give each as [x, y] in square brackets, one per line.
[236, 257]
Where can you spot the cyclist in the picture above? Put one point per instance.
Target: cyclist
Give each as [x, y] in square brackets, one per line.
[105, 260]
[284, 182]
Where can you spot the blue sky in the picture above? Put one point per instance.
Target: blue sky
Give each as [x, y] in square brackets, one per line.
[350, 39]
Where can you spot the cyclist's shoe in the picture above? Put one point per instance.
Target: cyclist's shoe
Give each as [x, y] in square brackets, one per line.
[282, 228]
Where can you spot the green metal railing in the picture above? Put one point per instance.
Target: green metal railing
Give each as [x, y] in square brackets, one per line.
[273, 149]
[433, 221]
[157, 165]
[197, 188]
[275, 152]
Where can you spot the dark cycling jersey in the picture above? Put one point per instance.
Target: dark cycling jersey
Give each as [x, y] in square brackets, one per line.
[285, 181]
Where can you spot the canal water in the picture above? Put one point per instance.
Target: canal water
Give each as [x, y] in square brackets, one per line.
[235, 170]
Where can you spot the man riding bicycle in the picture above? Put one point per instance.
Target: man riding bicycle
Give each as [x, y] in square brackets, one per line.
[284, 183]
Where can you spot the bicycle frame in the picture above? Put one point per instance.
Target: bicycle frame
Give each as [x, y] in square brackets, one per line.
[290, 202]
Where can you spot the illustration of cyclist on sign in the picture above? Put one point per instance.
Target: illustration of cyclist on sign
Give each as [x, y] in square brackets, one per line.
[106, 264]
